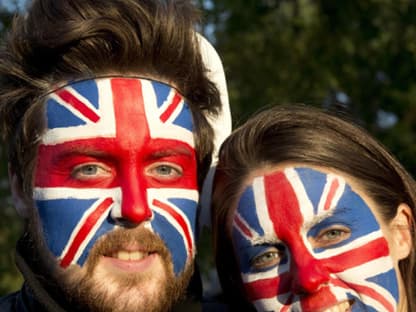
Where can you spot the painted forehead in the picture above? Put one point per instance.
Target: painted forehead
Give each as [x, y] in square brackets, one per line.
[299, 199]
[99, 108]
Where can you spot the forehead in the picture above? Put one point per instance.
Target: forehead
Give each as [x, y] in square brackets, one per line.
[303, 195]
[117, 107]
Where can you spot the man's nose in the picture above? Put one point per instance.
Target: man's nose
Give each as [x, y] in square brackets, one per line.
[308, 274]
[134, 207]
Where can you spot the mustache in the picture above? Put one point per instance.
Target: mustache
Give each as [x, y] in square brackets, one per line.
[138, 238]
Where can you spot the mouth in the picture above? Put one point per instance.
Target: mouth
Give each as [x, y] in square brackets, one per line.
[344, 306]
[130, 255]
[130, 260]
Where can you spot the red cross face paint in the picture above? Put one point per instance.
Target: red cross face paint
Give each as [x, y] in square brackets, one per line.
[305, 241]
[116, 149]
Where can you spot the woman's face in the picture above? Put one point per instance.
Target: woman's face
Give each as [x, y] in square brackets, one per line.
[306, 240]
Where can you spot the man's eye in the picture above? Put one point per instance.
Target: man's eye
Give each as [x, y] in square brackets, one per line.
[331, 236]
[89, 171]
[165, 171]
[271, 257]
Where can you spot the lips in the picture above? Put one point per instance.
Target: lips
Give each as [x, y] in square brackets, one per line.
[131, 261]
[341, 307]
[129, 255]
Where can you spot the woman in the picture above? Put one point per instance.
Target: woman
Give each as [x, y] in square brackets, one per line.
[310, 213]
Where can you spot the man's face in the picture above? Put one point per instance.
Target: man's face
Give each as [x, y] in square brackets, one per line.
[306, 241]
[116, 184]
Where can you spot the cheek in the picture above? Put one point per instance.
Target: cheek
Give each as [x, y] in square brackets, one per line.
[72, 220]
[174, 220]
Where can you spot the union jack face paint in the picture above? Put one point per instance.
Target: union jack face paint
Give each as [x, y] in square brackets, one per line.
[116, 148]
[305, 241]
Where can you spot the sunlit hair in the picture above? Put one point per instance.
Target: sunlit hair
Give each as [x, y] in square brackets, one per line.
[61, 41]
[300, 134]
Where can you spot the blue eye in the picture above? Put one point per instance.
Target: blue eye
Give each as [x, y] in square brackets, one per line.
[331, 236]
[165, 171]
[90, 171]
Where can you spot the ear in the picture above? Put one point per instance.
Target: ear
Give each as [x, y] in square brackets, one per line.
[17, 195]
[401, 229]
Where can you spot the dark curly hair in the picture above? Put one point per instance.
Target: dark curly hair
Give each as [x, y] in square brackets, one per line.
[57, 42]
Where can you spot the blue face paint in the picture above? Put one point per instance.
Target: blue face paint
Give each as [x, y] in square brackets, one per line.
[116, 148]
[306, 241]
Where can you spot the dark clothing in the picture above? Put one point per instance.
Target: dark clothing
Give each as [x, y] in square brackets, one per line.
[31, 297]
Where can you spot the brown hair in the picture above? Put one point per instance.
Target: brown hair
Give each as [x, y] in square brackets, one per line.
[305, 135]
[58, 41]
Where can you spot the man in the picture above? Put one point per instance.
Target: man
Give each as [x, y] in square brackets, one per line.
[104, 107]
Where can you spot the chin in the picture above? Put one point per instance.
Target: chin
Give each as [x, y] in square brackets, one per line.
[122, 273]
[107, 289]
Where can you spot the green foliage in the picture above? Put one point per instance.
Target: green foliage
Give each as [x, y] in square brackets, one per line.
[10, 228]
[310, 51]
[10, 224]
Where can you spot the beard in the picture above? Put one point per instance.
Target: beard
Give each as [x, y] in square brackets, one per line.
[94, 288]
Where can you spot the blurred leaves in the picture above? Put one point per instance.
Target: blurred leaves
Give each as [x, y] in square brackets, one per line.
[10, 228]
[10, 224]
[318, 52]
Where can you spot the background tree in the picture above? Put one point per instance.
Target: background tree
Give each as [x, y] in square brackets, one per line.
[10, 225]
[357, 56]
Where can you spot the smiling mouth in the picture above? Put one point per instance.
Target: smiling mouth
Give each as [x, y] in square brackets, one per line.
[131, 261]
[341, 307]
[130, 255]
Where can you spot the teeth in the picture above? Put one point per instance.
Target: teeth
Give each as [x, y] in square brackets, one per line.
[342, 307]
[129, 255]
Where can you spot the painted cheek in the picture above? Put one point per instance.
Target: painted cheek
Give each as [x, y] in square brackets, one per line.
[73, 219]
[174, 220]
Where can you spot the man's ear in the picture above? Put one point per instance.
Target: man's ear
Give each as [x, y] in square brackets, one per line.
[18, 196]
[401, 229]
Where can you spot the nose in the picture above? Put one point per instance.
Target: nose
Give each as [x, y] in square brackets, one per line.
[134, 207]
[308, 275]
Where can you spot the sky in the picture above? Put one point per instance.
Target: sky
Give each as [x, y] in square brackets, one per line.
[11, 4]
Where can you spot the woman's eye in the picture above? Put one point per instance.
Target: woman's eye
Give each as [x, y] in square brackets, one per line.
[269, 258]
[89, 171]
[331, 236]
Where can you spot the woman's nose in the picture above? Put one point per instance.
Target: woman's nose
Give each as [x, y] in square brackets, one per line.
[308, 275]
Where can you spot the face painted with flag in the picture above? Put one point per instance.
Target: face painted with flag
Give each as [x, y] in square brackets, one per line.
[305, 241]
[116, 151]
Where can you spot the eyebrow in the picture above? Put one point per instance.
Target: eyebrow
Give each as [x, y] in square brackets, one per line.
[267, 239]
[333, 211]
[81, 150]
[180, 151]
